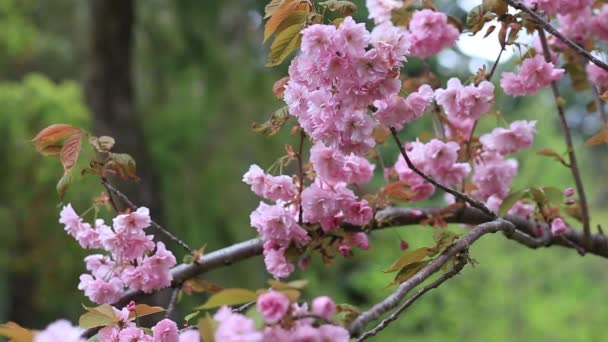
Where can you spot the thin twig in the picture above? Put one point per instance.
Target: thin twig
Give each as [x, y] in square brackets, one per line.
[547, 26]
[489, 76]
[460, 246]
[132, 206]
[567, 136]
[172, 302]
[462, 261]
[112, 203]
[459, 195]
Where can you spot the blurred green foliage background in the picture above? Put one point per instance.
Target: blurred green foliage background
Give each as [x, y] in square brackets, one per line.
[199, 83]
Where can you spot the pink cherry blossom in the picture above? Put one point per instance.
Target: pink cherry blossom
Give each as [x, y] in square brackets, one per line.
[520, 134]
[323, 306]
[558, 227]
[558, 6]
[133, 222]
[273, 306]
[391, 42]
[521, 209]
[597, 75]
[493, 175]
[60, 330]
[153, 273]
[234, 327]
[431, 33]
[189, 336]
[465, 102]
[125, 244]
[435, 158]
[576, 24]
[165, 331]
[275, 261]
[70, 220]
[99, 290]
[599, 24]
[397, 111]
[275, 188]
[333, 333]
[133, 334]
[534, 74]
[278, 223]
[380, 10]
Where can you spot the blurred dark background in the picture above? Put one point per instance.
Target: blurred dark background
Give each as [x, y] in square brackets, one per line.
[178, 84]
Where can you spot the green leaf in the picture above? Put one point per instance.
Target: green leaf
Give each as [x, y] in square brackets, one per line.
[510, 200]
[94, 338]
[206, 328]
[274, 124]
[145, 310]
[285, 43]
[345, 8]
[408, 271]
[229, 297]
[497, 6]
[64, 184]
[538, 195]
[410, 258]
[443, 238]
[294, 18]
[553, 194]
[346, 313]
[98, 316]
[124, 164]
[295, 284]
[191, 316]
[15, 332]
[547, 152]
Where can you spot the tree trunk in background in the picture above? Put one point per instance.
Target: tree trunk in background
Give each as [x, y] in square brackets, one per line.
[110, 94]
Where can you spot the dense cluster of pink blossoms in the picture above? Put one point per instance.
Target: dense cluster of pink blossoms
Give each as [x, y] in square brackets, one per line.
[134, 261]
[326, 202]
[125, 330]
[534, 74]
[274, 307]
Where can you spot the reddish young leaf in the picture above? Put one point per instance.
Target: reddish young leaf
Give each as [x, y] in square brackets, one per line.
[600, 138]
[47, 140]
[71, 151]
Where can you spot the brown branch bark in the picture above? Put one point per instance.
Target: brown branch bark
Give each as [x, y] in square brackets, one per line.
[574, 169]
[460, 246]
[462, 261]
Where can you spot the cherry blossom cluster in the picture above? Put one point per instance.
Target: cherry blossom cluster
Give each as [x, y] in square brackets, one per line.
[325, 202]
[428, 31]
[134, 261]
[535, 73]
[127, 330]
[283, 321]
[123, 330]
[464, 105]
[493, 173]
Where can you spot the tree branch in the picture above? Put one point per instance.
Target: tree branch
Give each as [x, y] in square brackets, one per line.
[547, 26]
[580, 189]
[459, 195]
[216, 259]
[133, 207]
[462, 261]
[460, 246]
